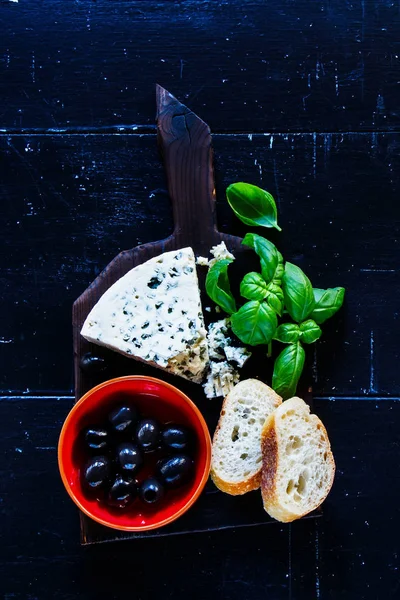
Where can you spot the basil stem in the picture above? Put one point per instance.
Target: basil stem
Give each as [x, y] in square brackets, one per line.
[252, 205]
[218, 287]
[287, 370]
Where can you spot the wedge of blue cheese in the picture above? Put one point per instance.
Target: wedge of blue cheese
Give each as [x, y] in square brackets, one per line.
[225, 360]
[154, 314]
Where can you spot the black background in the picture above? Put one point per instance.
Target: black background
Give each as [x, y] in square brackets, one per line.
[303, 99]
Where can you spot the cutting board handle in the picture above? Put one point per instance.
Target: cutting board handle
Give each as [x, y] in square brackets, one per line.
[185, 144]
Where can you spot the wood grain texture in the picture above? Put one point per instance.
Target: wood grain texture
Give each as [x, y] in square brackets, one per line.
[244, 66]
[69, 204]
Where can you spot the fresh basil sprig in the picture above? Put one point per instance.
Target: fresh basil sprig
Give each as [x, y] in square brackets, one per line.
[252, 205]
[254, 323]
[327, 303]
[288, 369]
[280, 289]
[297, 292]
[218, 287]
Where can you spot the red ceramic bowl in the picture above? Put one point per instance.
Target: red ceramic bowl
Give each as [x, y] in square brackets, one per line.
[154, 398]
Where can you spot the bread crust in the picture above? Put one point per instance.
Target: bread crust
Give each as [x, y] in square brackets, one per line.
[254, 481]
[269, 451]
[270, 465]
[237, 489]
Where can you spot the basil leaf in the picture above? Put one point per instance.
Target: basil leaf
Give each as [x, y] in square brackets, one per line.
[298, 293]
[327, 303]
[253, 287]
[275, 303]
[275, 297]
[287, 370]
[276, 290]
[287, 333]
[252, 205]
[254, 323]
[280, 269]
[310, 331]
[218, 288]
[269, 255]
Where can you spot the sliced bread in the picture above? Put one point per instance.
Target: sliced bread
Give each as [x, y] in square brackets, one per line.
[236, 452]
[298, 466]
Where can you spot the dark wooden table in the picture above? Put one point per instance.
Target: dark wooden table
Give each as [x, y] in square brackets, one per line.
[303, 99]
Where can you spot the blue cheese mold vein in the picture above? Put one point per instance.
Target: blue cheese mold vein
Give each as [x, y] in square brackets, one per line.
[142, 316]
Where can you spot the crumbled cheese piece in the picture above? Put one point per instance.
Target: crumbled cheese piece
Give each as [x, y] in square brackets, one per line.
[202, 261]
[207, 308]
[220, 252]
[237, 355]
[217, 339]
[221, 379]
[222, 375]
[220, 344]
[154, 314]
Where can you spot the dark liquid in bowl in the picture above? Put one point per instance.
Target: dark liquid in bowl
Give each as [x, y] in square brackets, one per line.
[149, 406]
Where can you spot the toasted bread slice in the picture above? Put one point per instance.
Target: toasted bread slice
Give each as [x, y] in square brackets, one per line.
[236, 453]
[298, 466]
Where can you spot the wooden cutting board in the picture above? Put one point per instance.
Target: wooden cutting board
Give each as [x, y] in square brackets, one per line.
[185, 144]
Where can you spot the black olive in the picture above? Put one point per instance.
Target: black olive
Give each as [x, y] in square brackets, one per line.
[177, 437]
[129, 458]
[148, 434]
[96, 472]
[90, 363]
[176, 470]
[96, 438]
[123, 418]
[123, 491]
[151, 490]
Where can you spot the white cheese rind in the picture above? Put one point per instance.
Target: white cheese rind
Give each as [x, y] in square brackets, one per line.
[154, 314]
